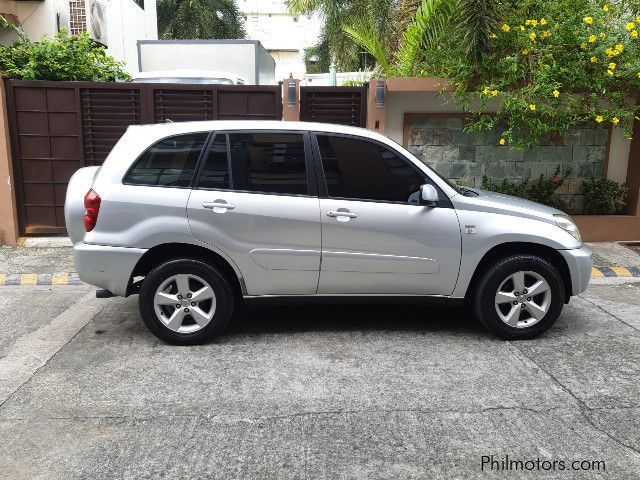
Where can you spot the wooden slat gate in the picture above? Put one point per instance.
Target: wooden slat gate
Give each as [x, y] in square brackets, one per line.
[343, 105]
[58, 127]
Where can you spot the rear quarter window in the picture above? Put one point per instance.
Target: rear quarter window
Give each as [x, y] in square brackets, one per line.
[170, 162]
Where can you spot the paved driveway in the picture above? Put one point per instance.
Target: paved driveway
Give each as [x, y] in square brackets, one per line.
[315, 392]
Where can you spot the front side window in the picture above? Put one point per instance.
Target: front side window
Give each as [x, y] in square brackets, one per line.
[268, 163]
[171, 162]
[360, 169]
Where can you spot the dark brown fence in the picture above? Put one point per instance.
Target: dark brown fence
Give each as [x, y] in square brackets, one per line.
[58, 127]
[343, 105]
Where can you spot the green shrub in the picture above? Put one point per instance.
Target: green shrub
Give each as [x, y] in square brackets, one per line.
[62, 57]
[541, 190]
[604, 197]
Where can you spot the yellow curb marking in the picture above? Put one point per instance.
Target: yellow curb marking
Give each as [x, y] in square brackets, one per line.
[60, 279]
[29, 279]
[622, 272]
[595, 273]
[3, 278]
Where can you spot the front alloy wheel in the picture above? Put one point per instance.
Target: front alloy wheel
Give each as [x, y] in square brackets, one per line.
[523, 299]
[519, 297]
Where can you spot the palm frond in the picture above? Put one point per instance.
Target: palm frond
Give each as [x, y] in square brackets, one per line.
[476, 20]
[365, 35]
[430, 21]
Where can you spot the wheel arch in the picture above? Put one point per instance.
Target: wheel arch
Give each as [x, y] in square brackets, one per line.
[170, 251]
[519, 248]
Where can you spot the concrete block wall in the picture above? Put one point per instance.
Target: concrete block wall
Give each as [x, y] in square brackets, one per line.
[442, 143]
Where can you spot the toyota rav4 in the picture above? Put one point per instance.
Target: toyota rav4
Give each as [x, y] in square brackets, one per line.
[197, 216]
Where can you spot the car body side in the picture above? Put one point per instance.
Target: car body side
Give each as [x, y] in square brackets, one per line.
[136, 220]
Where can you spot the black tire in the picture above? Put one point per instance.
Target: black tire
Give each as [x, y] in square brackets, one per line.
[484, 296]
[224, 299]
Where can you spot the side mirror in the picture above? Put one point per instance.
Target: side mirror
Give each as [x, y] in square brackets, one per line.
[428, 195]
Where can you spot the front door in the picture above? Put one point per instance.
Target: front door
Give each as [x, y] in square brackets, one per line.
[376, 237]
[254, 200]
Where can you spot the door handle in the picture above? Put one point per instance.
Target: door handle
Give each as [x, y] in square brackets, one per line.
[332, 213]
[218, 204]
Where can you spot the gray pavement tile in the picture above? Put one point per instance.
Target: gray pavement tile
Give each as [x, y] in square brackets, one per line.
[276, 362]
[23, 310]
[595, 356]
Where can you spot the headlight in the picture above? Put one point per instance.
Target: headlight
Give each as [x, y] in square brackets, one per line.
[565, 223]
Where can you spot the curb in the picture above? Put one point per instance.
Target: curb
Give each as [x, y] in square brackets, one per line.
[615, 272]
[35, 279]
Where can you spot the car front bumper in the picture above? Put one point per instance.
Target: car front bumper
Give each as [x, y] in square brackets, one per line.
[106, 267]
[580, 261]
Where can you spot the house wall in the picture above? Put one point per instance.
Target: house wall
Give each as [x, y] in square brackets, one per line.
[284, 36]
[35, 18]
[233, 56]
[126, 24]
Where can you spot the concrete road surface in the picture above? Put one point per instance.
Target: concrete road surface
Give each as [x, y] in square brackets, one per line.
[329, 392]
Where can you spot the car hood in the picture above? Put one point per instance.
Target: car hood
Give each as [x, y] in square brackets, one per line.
[486, 201]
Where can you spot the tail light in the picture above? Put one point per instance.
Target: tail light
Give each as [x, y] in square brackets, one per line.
[92, 208]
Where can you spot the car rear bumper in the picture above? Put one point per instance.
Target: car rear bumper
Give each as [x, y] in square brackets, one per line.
[580, 261]
[106, 267]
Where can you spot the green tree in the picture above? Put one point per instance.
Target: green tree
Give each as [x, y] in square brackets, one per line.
[61, 57]
[199, 19]
[340, 48]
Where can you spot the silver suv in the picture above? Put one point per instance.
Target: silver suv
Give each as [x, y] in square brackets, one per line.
[197, 216]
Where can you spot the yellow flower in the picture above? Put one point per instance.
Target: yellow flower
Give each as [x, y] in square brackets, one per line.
[525, 51]
[634, 33]
[503, 141]
[619, 47]
[522, 28]
[506, 28]
[615, 120]
[588, 20]
[594, 59]
[486, 91]
[543, 21]
[599, 119]
[630, 26]
[534, 23]
[494, 93]
[638, 74]
[493, 35]
[612, 66]
[532, 107]
[583, 45]
[603, 35]
[611, 52]
[610, 73]
[556, 93]
[545, 34]
[533, 36]
[605, 8]
[638, 19]
[592, 38]
[528, 22]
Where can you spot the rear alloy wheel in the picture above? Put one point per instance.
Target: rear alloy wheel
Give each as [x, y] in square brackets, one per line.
[519, 297]
[185, 302]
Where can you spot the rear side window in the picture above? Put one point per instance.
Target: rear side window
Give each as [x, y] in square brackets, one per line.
[270, 162]
[171, 162]
[359, 169]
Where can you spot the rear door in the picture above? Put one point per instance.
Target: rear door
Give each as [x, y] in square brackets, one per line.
[255, 199]
[376, 237]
